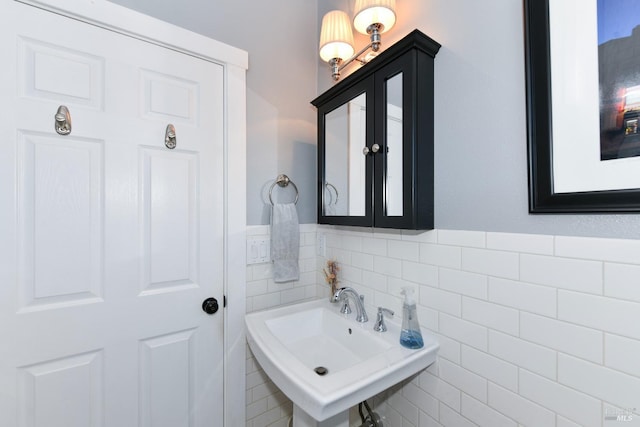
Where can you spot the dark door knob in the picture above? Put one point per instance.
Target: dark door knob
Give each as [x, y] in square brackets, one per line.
[210, 305]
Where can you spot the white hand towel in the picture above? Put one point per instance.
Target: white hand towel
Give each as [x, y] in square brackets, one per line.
[285, 242]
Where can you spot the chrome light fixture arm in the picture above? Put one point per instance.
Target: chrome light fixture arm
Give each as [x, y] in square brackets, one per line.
[338, 64]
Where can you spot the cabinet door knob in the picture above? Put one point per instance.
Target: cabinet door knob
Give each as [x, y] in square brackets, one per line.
[374, 149]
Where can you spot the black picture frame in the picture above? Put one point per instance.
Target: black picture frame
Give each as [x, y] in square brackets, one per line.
[542, 198]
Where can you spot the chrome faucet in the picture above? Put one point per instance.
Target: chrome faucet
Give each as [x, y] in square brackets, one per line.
[342, 293]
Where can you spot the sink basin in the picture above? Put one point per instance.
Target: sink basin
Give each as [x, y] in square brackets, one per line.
[326, 362]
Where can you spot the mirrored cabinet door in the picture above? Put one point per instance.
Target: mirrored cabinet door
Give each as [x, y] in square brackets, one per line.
[393, 160]
[345, 164]
[395, 185]
[344, 169]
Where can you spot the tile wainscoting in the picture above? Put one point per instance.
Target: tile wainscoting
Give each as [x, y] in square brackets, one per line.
[535, 330]
[266, 405]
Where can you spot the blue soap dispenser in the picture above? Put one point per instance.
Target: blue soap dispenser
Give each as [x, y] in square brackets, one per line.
[410, 336]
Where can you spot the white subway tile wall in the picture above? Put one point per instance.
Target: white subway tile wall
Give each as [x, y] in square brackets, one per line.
[266, 405]
[535, 330]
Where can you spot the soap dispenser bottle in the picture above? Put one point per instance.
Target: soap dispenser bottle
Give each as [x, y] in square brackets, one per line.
[410, 336]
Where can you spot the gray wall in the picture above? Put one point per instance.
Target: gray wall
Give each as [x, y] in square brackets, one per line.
[480, 122]
[480, 135]
[281, 38]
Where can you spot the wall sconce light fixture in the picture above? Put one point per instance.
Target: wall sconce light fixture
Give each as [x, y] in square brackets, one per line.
[372, 17]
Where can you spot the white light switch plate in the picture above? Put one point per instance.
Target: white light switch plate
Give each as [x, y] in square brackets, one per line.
[258, 250]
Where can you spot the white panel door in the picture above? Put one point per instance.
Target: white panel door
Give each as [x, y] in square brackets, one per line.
[110, 241]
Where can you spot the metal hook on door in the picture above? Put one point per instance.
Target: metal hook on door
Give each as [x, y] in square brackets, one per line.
[170, 137]
[63, 121]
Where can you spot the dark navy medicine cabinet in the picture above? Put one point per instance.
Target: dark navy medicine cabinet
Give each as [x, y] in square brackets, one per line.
[375, 141]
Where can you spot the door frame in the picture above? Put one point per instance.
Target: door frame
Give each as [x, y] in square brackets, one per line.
[234, 61]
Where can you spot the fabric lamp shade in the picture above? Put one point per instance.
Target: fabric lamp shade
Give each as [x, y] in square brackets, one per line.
[369, 12]
[336, 38]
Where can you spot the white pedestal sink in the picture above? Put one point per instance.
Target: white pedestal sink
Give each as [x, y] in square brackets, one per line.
[326, 362]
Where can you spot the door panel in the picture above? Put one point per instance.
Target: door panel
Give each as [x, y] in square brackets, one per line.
[60, 200]
[169, 181]
[41, 400]
[167, 394]
[170, 97]
[112, 240]
[60, 73]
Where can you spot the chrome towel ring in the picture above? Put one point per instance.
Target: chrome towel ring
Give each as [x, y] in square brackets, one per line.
[335, 190]
[283, 180]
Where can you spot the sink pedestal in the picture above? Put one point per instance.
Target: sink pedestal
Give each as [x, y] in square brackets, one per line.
[302, 419]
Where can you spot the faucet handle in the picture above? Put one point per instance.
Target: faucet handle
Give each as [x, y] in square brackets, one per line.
[379, 326]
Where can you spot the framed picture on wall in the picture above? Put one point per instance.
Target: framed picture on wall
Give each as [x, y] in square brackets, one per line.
[583, 105]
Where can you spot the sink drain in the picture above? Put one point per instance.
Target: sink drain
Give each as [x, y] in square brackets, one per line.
[321, 370]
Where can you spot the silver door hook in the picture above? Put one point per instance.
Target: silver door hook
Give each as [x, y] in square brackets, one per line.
[63, 121]
[170, 137]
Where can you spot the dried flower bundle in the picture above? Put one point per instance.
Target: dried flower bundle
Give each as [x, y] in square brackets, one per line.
[331, 274]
